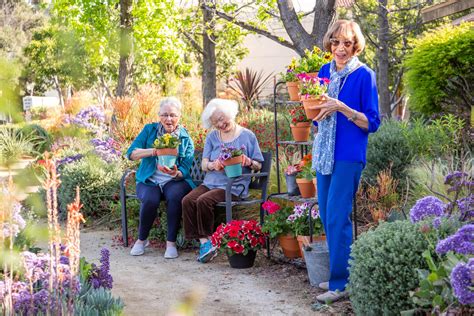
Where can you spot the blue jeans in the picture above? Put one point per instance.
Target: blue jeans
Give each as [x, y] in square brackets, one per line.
[335, 195]
[150, 198]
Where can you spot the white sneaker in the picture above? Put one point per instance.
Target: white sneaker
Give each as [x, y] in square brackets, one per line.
[138, 249]
[324, 286]
[331, 296]
[171, 253]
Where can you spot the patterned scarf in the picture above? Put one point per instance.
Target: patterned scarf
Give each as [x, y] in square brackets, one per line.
[161, 131]
[325, 140]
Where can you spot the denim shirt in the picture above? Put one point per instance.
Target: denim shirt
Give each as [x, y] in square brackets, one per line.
[147, 167]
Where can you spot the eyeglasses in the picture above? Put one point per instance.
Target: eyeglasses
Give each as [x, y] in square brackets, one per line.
[336, 42]
[171, 116]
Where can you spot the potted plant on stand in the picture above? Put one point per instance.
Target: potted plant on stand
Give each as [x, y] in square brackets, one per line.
[311, 90]
[312, 61]
[167, 149]
[300, 125]
[292, 83]
[277, 226]
[300, 224]
[304, 178]
[240, 240]
[231, 158]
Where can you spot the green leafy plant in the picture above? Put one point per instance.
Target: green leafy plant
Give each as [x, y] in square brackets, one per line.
[439, 59]
[14, 145]
[291, 71]
[383, 268]
[98, 181]
[166, 141]
[313, 60]
[299, 220]
[276, 223]
[312, 86]
[307, 171]
[97, 302]
[42, 140]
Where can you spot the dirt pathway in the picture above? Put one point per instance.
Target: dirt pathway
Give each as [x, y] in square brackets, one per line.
[152, 285]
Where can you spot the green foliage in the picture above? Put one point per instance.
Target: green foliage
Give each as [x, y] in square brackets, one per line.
[387, 147]
[97, 302]
[97, 180]
[14, 145]
[42, 139]
[383, 268]
[276, 224]
[438, 58]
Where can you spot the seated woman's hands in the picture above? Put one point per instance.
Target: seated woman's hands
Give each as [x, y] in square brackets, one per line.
[246, 161]
[215, 165]
[329, 106]
[172, 172]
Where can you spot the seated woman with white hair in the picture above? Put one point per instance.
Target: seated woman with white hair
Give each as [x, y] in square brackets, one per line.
[198, 205]
[155, 182]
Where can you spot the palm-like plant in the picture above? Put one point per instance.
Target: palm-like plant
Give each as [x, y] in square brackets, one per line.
[248, 85]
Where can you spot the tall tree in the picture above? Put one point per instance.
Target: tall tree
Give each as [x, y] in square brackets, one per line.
[209, 67]
[126, 51]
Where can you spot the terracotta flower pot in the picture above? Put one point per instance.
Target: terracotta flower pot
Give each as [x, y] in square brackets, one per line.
[311, 101]
[306, 187]
[167, 152]
[306, 240]
[233, 161]
[301, 131]
[289, 245]
[293, 90]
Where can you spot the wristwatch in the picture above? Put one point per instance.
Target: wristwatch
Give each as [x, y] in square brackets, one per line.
[353, 117]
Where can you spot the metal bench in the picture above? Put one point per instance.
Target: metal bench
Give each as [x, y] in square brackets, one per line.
[259, 181]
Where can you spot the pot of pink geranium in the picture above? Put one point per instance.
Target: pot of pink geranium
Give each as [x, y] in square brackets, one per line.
[277, 226]
[311, 91]
[240, 240]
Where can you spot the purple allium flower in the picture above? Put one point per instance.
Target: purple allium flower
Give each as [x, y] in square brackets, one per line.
[426, 207]
[461, 242]
[462, 281]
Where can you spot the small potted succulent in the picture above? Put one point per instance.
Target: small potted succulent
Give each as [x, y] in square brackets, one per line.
[231, 157]
[277, 226]
[300, 124]
[240, 240]
[166, 147]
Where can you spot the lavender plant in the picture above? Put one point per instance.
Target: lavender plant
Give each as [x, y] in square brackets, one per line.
[107, 149]
[100, 276]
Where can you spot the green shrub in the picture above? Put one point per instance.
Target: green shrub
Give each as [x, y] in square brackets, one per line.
[14, 145]
[440, 69]
[97, 180]
[42, 140]
[387, 147]
[383, 268]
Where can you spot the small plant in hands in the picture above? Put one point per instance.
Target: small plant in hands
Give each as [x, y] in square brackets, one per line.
[230, 152]
[238, 237]
[311, 86]
[276, 223]
[166, 141]
[299, 221]
[305, 166]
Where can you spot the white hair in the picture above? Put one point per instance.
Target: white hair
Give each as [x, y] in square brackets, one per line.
[230, 109]
[170, 101]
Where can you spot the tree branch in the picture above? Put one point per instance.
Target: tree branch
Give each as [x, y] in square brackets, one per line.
[254, 29]
[193, 42]
[293, 26]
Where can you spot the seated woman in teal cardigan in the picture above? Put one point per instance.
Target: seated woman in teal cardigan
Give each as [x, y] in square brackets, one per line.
[156, 183]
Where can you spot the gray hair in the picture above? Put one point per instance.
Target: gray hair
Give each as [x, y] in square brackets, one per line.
[170, 101]
[230, 109]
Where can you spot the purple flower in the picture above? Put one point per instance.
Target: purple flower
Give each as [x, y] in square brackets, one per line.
[100, 276]
[91, 118]
[106, 149]
[426, 207]
[466, 207]
[68, 160]
[462, 281]
[437, 222]
[461, 242]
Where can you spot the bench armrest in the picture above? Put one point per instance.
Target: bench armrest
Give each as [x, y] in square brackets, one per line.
[127, 173]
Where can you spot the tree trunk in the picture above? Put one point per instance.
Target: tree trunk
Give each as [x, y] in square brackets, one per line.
[324, 16]
[209, 68]
[383, 60]
[57, 86]
[126, 57]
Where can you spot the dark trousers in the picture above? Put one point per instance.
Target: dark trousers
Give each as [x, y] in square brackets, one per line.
[335, 195]
[198, 211]
[150, 198]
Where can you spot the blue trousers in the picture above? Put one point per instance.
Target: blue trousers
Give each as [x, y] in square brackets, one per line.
[335, 195]
[150, 198]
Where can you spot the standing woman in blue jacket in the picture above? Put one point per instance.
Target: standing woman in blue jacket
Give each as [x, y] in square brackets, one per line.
[347, 117]
[156, 183]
